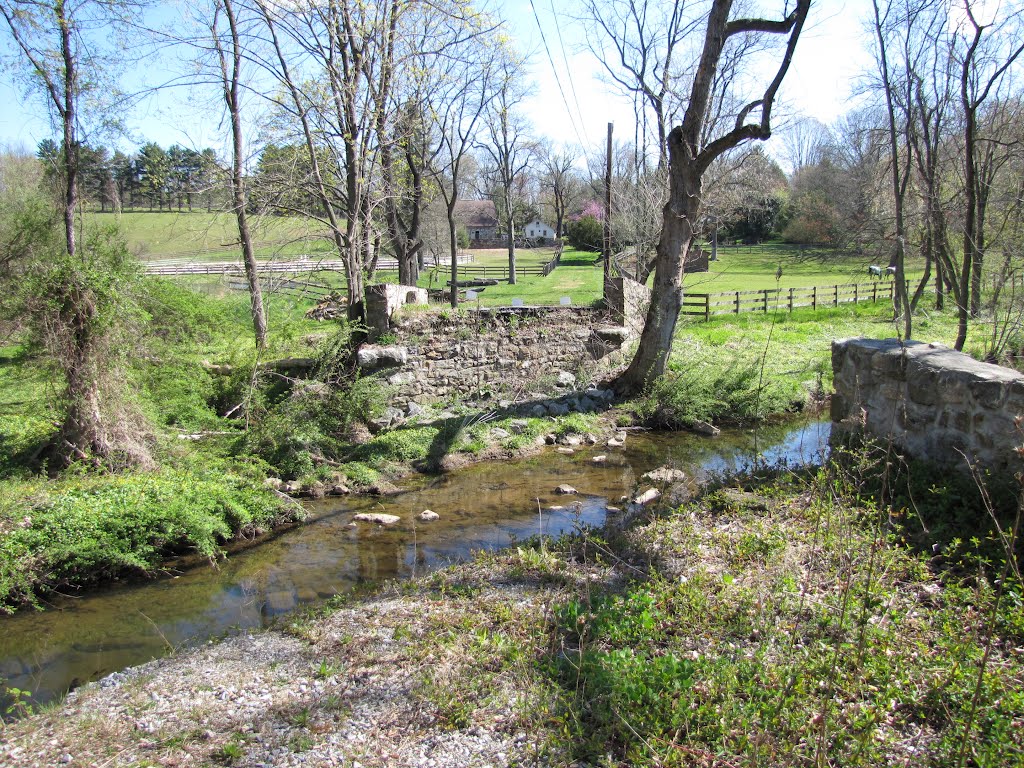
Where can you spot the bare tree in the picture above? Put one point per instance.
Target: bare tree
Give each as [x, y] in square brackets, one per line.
[896, 89]
[689, 157]
[228, 44]
[562, 183]
[804, 142]
[508, 146]
[984, 55]
[646, 38]
[51, 41]
[457, 104]
[80, 300]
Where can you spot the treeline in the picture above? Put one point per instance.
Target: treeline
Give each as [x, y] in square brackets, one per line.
[177, 178]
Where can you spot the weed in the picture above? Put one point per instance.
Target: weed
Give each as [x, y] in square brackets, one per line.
[230, 752]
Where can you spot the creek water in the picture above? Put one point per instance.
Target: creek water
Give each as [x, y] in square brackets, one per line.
[485, 506]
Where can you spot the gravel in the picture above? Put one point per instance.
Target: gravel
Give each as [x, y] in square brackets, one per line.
[421, 677]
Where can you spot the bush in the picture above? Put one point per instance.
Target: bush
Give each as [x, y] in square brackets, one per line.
[586, 234]
[84, 529]
[685, 395]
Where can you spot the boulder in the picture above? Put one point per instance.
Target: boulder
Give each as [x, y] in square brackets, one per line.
[566, 490]
[556, 408]
[566, 451]
[566, 380]
[617, 335]
[500, 434]
[538, 411]
[519, 426]
[664, 476]
[704, 428]
[599, 459]
[651, 494]
[373, 357]
[389, 418]
[376, 517]
[428, 515]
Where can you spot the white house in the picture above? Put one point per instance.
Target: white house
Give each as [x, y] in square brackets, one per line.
[537, 230]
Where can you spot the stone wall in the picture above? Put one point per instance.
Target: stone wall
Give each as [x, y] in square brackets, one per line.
[504, 353]
[935, 403]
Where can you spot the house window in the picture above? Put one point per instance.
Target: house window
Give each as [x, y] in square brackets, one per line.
[476, 234]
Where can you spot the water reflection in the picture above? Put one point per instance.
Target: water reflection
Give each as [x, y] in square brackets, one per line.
[481, 507]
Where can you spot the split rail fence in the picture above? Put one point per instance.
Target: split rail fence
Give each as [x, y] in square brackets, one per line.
[708, 305]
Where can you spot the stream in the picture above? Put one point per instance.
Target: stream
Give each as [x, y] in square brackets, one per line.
[485, 506]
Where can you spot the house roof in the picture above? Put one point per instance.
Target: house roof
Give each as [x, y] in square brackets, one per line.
[478, 214]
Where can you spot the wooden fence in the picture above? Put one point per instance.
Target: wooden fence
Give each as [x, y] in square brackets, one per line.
[292, 266]
[707, 305]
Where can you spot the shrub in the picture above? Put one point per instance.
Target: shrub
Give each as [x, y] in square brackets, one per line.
[84, 529]
[585, 234]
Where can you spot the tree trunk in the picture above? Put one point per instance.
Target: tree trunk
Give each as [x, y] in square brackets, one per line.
[689, 156]
[511, 244]
[69, 118]
[230, 79]
[453, 243]
[677, 235]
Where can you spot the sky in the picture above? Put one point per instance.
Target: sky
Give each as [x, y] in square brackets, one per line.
[829, 58]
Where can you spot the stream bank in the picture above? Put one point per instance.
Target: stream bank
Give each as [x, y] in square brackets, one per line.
[709, 634]
[485, 506]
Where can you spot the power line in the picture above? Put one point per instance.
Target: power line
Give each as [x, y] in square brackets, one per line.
[565, 58]
[558, 80]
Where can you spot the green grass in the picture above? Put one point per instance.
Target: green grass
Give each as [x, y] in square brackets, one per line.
[743, 268]
[576, 277]
[201, 236]
[791, 626]
[83, 528]
[752, 268]
[738, 368]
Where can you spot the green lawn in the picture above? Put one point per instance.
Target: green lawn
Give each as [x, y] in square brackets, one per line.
[744, 268]
[201, 236]
[751, 268]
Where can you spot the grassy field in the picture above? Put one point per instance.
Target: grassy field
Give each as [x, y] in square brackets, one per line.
[743, 268]
[201, 236]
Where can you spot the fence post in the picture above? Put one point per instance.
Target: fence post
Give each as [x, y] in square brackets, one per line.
[764, 299]
[856, 294]
[737, 302]
[791, 300]
[874, 292]
[836, 288]
[707, 307]
[814, 298]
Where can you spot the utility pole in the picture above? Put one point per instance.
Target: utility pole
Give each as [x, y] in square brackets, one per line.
[608, 212]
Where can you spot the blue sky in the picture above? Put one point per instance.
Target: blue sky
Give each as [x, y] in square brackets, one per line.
[829, 58]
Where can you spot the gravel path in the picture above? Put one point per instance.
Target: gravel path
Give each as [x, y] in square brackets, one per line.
[438, 673]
